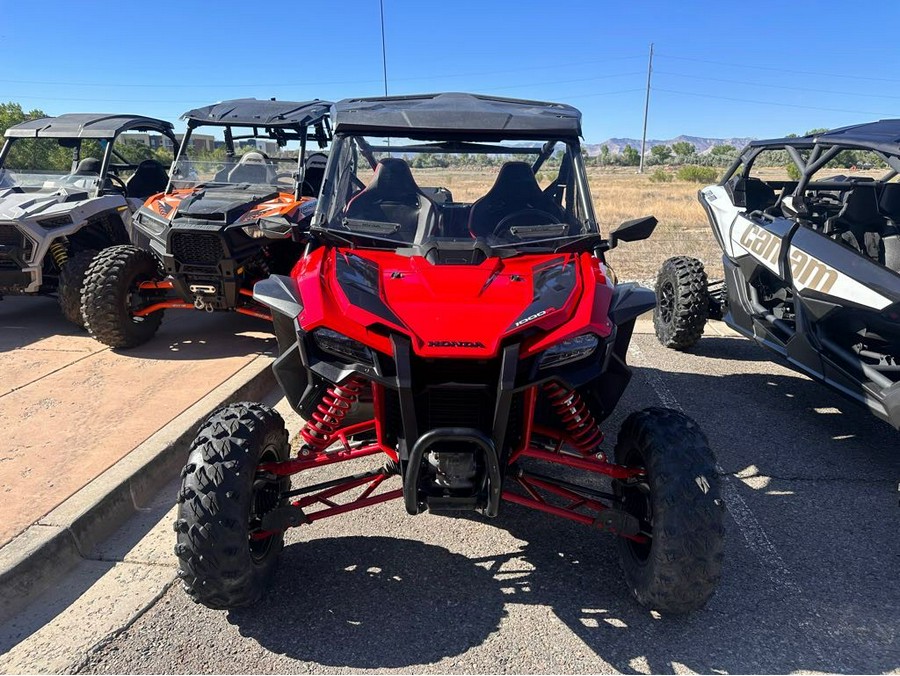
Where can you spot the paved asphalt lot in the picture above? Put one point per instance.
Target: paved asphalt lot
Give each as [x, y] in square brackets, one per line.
[811, 579]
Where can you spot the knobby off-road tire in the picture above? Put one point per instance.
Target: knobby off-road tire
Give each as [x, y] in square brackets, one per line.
[71, 284]
[106, 302]
[682, 302]
[679, 503]
[221, 499]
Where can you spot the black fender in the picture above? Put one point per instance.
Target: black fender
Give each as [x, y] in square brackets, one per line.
[279, 294]
[630, 300]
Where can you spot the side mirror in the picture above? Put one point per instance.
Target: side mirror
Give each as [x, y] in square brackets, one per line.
[632, 231]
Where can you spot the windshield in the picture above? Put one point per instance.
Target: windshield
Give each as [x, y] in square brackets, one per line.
[248, 163]
[48, 164]
[401, 191]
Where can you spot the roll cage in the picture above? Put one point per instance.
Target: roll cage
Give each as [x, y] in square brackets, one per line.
[70, 129]
[278, 121]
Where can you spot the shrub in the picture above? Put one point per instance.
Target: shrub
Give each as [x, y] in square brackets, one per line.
[792, 171]
[696, 174]
[660, 176]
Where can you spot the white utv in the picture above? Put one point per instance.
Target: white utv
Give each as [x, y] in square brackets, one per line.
[68, 191]
[811, 258]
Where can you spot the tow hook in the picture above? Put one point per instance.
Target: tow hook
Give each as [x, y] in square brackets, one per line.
[201, 304]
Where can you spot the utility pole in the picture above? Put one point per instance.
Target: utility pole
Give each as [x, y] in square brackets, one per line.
[383, 51]
[646, 109]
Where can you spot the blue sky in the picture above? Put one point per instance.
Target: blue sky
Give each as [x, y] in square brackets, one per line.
[720, 69]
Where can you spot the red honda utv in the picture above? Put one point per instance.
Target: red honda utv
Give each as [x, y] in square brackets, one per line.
[233, 212]
[453, 318]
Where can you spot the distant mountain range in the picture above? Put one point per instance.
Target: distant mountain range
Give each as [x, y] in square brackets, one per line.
[703, 145]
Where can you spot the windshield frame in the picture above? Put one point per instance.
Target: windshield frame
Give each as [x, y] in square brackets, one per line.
[338, 174]
[319, 131]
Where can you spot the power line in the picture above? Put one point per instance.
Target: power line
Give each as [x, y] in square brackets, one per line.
[775, 86]
[584, 96]
[779, 69]
[195, 100]
[583, 79]
[772, 103]
[424, 78]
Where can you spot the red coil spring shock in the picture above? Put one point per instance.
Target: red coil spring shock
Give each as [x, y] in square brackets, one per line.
[318, 432]
[584, 433]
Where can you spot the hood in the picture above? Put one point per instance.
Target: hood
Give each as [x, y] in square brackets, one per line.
[449, 310]
[225, 206]
[16, 206]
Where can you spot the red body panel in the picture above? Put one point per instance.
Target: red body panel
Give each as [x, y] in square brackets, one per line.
[458, 311]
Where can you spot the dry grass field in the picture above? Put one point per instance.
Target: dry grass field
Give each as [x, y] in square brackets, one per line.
[683, 227]
[620, 194]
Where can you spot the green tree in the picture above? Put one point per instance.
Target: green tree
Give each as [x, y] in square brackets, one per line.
[604, 154]
[630, 156]
[661, 154]
[163, 156]
[683, 149]
[723, 154]
[133, 151]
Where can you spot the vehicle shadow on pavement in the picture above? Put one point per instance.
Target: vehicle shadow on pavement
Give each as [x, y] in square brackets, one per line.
[192, 335]
[187, 334]
[374, 602]
[730, 347]
[24, 321]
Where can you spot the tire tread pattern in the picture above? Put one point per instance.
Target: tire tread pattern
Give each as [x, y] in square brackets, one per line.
[107, 284]
[71, 285]
[691, 308]
[684, 563]
[212, 526]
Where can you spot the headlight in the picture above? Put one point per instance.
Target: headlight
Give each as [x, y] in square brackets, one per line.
[342, 346]
[253, 231]
[55, 221]
[569, 350]
[274, 228]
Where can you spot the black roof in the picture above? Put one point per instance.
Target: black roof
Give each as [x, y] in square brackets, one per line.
[457, 115]
[87, 125]
[259, 113]
[883, 135]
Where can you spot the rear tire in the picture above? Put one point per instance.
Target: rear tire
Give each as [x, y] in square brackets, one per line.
[71, 284]
[108, 287]
[682, 302]
[679, 503]
[221, 498]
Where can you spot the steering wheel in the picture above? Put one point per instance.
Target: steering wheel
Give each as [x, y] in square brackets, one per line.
[118, 183]
[282, 175]
[524, 217]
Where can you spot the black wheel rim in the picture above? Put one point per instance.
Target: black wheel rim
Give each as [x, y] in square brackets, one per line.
[666, 301]
[637, 500]
[265, 495]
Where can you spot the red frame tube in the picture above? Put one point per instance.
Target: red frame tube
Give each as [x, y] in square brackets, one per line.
[254, 313]
[532, 485]
[171, 304]
[517, 499]
[589, 464]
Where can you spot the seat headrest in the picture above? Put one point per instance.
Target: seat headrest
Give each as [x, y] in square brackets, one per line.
[515, 177]
[394, 176]
[89, 165]
[252, 158]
